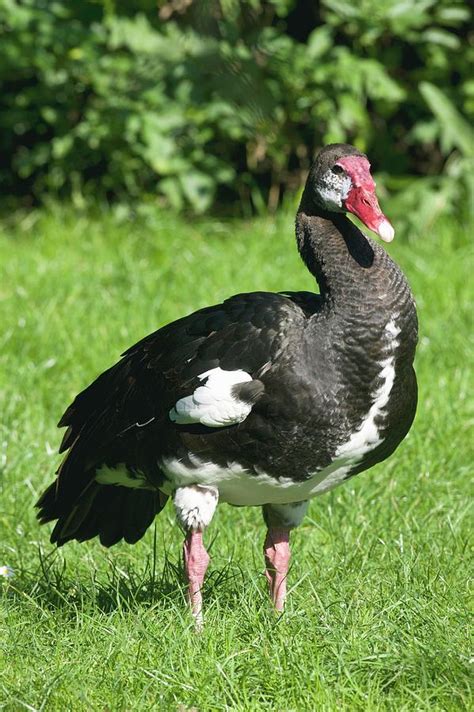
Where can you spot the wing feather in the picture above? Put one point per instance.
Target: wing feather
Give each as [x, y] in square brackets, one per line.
[122, 417]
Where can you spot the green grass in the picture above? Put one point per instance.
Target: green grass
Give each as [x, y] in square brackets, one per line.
[377, 616]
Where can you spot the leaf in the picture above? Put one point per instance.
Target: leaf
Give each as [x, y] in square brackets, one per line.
[378, 83]
[319, 41]
[454, 15]
[455, 131]
[198, 188]
[441, 37]
[62, 145]
[413, 10]
[342, 8]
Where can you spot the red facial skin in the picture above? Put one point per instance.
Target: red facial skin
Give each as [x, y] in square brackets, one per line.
[362, 200]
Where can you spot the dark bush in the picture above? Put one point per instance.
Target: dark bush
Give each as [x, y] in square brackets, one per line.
[208, 100]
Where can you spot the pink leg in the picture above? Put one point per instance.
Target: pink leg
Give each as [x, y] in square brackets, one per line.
[196, 561]
[277, 559]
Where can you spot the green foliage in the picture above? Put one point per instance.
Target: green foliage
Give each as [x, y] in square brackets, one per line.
[228, 100]
[426, 198]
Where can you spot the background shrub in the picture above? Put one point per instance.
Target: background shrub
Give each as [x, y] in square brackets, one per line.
[226, 101]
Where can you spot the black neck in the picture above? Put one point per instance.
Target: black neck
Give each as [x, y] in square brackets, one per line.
[362, 288]
[346, 264]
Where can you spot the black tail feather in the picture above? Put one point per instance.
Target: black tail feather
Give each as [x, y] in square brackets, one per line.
[139, 513]
[47, 505]
[71, 518]
[111, 524]
[108, 511]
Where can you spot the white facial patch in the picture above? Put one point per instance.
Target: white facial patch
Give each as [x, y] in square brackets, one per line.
[333, 189]
[213, 404]
[195, 506]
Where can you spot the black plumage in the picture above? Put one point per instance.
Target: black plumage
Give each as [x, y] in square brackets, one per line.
[315, 364]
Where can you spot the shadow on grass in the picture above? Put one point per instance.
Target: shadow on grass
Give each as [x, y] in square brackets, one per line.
[51, 587]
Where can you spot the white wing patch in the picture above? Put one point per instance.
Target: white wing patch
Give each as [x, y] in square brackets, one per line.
[213, 404]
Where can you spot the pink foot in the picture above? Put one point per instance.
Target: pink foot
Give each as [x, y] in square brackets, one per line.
[277, 559]
[196, 561]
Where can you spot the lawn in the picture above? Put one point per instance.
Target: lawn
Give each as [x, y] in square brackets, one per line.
[377, 617]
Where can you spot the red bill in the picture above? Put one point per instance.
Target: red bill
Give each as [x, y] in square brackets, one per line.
[362, 200]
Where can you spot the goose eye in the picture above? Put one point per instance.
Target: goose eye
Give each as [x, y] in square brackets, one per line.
[337, 169]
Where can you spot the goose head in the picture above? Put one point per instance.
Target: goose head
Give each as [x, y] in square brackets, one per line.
[340, 181]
